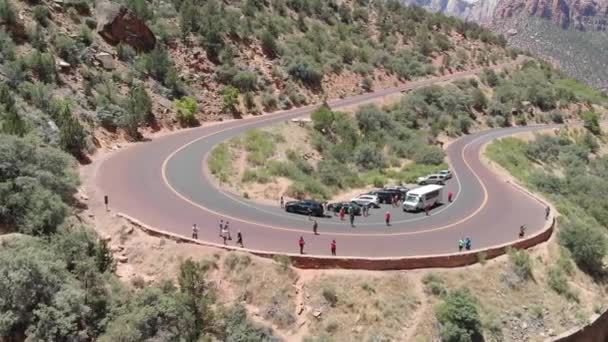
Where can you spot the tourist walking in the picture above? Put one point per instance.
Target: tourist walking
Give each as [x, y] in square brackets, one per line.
[450, 194]
[239, 239]
[387, 218]
[333, 247]
[522, 231]
[352, 217]
[282, 202]
[315, 226]
[342, 214]
[427, 209]
[460, 244]
[547, 212]
[194, 231]
[221, 227]
[467, 243]
[301, 243]
[225, 234]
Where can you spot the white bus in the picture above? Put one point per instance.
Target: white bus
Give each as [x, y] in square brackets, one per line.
[419, 198]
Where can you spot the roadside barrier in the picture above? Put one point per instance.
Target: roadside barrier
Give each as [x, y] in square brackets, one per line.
[361, 263]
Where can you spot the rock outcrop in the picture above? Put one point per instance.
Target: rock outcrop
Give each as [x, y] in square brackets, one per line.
[118, 24]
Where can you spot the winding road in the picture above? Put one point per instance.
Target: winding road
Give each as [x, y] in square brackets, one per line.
[164, 184]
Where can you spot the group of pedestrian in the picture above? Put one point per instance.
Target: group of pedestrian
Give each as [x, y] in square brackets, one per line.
[224, 230]
[332, 245]
[464, 243]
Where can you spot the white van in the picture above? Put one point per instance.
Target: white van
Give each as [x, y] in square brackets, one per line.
[419, 198]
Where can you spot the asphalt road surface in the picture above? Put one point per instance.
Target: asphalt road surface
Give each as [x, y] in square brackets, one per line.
[164, 184]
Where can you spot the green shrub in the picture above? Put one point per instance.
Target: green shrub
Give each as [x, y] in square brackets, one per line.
[521, 264]
[259, 145]
[587, 244]
[43, 65]
[67, 48]
[220, 162]
[367, 157]
[269, 101]
[591, 121]
[429, 155]
[86, 35]
[186, 107]
[29, 200]
[434, 284]
[138, 107]
[230, 99]
[125, 52]
[269, 44]
[284, 261]
[322, 118]
[245, 80]
[367, 84]
[90, 22]
[329, 293]
[41, 15]
[237, 262]
[249, 101]
[304, 70]
[558, 282]
[7, 13]
[458, 317]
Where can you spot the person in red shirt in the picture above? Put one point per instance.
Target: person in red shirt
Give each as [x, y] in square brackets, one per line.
[342, 212]
[388, 218]
[333, 247]
[301, 243]
[450, 195]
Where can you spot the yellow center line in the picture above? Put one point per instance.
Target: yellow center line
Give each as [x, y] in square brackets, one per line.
[168, 184]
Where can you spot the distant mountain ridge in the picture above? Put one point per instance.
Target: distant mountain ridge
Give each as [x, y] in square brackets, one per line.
[585, 15]
[573, 34]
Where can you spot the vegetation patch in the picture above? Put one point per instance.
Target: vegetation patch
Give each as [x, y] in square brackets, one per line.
[380, 314]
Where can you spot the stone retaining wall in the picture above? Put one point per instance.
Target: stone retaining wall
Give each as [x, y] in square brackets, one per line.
[596, 331]
[394, 263]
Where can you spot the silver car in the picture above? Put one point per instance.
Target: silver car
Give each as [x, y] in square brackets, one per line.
[446, 173]
[431, 179]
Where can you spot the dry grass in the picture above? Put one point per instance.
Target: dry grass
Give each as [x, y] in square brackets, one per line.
[361, 308]
[261, 283]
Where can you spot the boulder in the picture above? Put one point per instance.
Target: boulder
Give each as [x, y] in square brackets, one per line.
[117, 24]
[512, 32]
[106, 60]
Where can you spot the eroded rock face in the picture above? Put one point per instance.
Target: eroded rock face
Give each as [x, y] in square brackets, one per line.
[118, 24]
[578, 14]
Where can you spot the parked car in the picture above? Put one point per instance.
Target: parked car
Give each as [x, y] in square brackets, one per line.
[368, 200]
[431, 179]
[446, 173]
[305, 207]
[399, 188]
[335, 207]
[386, 195]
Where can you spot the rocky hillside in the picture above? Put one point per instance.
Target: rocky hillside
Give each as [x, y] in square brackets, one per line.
[82, 75]
[571, 33]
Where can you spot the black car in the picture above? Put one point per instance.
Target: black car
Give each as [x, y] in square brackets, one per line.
[335, 207]
[305, 207]
[386, 195]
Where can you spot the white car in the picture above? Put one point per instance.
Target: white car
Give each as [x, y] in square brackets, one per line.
[446, 173]
[367, 200]
[431, 179]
